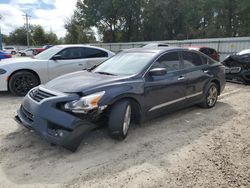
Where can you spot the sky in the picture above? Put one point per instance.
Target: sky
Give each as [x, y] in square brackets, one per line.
[50, 14]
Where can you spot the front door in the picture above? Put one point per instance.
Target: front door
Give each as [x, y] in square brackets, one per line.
[168, 91]
[71, 60]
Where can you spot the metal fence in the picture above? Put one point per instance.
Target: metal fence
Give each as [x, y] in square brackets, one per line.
[225, 46]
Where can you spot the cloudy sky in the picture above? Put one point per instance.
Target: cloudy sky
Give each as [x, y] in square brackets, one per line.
[51, 14]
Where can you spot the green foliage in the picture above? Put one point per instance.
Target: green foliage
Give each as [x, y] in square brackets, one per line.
[38, 36]
[77, 34]
[136, 20]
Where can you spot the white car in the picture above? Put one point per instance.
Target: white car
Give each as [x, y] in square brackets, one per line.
[26, 52]
[10, 50]
[19, 75]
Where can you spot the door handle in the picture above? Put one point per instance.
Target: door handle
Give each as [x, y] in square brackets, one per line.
[181, 78]
[80, 64]
[206, 71]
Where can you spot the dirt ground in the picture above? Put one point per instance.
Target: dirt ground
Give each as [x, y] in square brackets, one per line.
[193, 147]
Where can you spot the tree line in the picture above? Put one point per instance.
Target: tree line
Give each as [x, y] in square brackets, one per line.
[146, 20]
[38, 36]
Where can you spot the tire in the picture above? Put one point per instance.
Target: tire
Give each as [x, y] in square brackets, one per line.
[21, 82]
[13, 53]
[23, 54]
[211, 96]
[120, 119]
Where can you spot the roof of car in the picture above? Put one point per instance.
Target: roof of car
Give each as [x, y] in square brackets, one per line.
[81, 45]
[153, 50]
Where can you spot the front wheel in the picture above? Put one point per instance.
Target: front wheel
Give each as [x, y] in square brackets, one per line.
[211, 96]
[21, 82]
[120, 119]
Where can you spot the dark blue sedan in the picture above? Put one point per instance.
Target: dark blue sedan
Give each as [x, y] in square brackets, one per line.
[133, 86]
[4, 55]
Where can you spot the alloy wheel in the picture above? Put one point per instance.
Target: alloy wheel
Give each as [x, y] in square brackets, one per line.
[127, 119]
[212, 96]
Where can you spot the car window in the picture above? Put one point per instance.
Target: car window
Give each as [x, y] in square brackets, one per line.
[207, 61]
[191, 59]
[170, 61]
[94, 53]
[71, 53]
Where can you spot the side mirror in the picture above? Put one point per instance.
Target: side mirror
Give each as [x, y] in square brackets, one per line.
[56, 57]
[158, 72]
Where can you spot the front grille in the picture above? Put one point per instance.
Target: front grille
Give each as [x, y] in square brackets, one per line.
[38, 95]
[27, 114]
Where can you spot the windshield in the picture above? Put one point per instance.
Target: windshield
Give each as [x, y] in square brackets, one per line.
[47, 54]
[244, 52]
[125, 63]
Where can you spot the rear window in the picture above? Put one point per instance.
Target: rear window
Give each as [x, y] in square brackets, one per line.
[207, 60]
[94, 53]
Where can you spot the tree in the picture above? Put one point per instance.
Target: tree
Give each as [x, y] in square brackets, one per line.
[76, 33]
[51, 38]
[38, 36]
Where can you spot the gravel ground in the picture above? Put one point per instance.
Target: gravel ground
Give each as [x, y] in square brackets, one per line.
[193, 147]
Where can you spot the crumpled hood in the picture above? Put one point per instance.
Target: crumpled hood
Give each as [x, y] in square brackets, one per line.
[10, 61]
[80, 81]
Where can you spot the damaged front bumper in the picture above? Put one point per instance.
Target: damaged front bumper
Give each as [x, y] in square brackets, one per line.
[238, 74]
[57, 126]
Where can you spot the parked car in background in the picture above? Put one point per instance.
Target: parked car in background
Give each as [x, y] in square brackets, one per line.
[132, 86]
[154, 45]
[4, 55]
[27, 52]
[19, 75]
[208, 51]
[10, 50]
[238, 67]
[47, 46]
[38, 50]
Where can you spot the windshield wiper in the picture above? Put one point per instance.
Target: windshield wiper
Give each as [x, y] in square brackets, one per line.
[106, 73]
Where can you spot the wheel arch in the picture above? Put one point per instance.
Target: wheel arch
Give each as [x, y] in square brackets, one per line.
[217, 82]
[136, 107]
[27, 70]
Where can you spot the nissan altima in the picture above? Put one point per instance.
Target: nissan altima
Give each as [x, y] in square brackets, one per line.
[132, 86]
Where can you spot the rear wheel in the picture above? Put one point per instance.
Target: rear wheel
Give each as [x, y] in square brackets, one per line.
[211, 96]
[21, 82]
[120, 119]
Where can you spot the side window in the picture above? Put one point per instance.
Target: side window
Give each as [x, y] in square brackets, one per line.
[170, 61]
[71, 53]
[94, 53]
[191, 59]
[207, 61]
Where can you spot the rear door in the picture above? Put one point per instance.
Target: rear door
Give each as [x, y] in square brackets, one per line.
[94, 56]
[196, 74]
[166, 91]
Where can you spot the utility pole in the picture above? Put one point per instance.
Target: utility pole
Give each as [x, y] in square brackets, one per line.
[1, 40]
[27, 28]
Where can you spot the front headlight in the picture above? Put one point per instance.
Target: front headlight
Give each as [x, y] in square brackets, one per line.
[85, 104]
